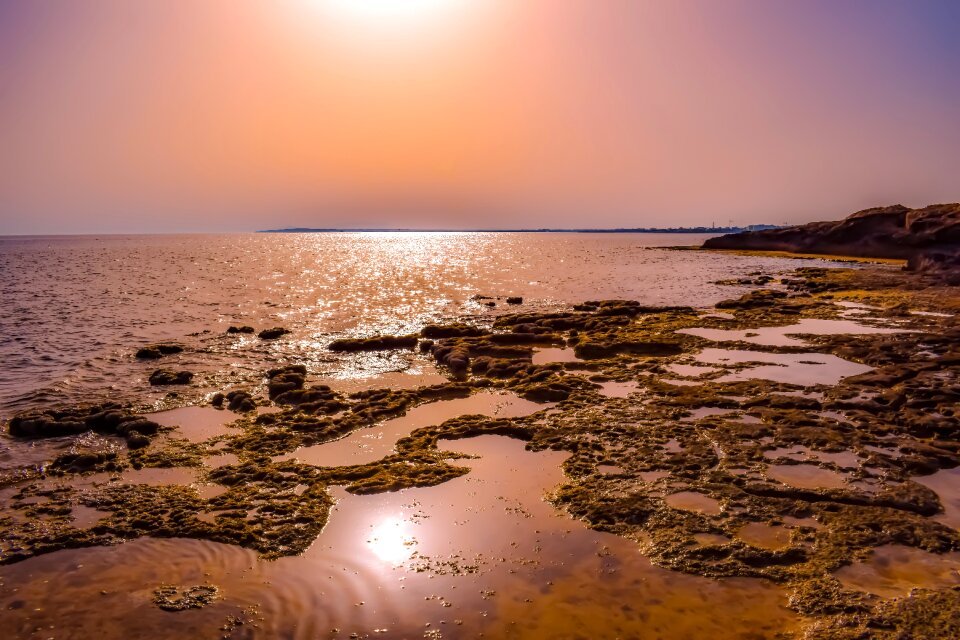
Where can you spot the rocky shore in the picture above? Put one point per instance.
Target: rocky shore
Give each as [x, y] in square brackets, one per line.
[697, 452]
[928, 238]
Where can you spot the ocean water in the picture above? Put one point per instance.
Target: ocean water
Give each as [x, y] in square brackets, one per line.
[74, 310]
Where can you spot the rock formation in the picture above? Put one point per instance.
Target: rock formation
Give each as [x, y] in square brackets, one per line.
[929, 238]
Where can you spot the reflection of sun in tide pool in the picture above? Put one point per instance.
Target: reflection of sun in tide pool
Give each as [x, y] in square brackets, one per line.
[391, 541]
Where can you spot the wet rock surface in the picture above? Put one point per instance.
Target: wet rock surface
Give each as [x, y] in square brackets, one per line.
[683, 464]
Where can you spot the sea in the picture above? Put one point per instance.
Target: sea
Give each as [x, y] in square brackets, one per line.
[75, 309]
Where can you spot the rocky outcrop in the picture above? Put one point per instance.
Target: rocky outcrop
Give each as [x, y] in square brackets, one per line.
[927, 237]
[273, 334]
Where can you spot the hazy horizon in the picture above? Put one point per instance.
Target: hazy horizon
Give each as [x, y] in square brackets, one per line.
[163, 117]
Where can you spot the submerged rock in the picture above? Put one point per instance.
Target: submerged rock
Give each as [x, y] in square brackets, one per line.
[171, 598]
[158, 350]
[166, 377]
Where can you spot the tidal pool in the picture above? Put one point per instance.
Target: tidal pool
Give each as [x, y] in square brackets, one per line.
[554, 354]
[782, 336]
[481, 554]
[196, 424]
[693, 501]
[946, 484]
[806, 476]
[765, 536]
[893, 570]
[369, 445]
[803, 369]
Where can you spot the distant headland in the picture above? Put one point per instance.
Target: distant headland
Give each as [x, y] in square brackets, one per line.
[711, 229]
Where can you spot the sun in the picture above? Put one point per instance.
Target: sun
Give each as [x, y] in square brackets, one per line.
[389, 11]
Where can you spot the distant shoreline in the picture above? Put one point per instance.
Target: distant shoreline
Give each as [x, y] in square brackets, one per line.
[625, 230]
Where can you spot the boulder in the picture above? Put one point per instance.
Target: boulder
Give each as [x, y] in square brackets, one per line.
[273, 334]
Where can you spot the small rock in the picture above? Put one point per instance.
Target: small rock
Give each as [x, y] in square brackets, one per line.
[162, 377]
[156, 351]
[273, 334]
[243, 329]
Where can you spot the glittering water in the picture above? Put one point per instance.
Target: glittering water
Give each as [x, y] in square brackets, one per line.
[75, 309]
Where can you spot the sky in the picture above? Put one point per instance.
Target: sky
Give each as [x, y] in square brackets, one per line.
[120, 116]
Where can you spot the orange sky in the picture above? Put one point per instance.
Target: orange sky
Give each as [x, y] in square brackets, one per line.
[174, 115]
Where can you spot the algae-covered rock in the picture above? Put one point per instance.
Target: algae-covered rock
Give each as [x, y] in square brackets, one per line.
[108, 418]
[286, 379]
[240, 402]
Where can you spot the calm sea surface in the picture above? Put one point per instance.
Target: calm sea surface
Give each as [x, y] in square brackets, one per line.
[75, 309]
